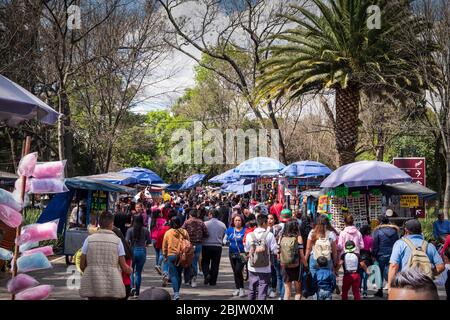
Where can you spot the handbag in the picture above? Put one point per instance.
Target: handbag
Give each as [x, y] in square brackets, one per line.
[242, 255]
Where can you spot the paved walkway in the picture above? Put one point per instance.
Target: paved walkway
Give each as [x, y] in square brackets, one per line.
[60, 273]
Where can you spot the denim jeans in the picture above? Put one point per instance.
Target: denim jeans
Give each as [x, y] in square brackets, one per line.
[198, 250]
[280, 283]
[139, 258]
[383, 262]
[158, 254]
[324, 294]
[364, 277]
[174, 273]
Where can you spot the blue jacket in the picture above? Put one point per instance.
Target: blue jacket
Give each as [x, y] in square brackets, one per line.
[384, 238]
[324, 279]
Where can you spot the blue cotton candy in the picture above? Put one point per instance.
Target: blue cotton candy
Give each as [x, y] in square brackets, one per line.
[5, 254]
[7, 199]
[36, 261]
[28, 246]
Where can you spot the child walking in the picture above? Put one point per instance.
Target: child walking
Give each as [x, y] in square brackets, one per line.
[352, 264]
[324, 280]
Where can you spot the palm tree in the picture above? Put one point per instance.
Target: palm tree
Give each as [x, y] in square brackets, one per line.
[334, 49]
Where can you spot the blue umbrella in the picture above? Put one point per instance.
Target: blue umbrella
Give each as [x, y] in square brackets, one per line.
[18, 104]
[365, 174]
[259, 166]
[143, 175]
[192, 181]
[227, 176]
[303, 169]
[240, 187]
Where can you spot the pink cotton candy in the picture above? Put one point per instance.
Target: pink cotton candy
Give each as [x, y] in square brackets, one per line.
[27, 165]
[18, 185]
[10, 217]
[47, 186]
[47, 250]
[8, 199]
[21, 282]
[38, 232]
[53, 169]
[37, 293]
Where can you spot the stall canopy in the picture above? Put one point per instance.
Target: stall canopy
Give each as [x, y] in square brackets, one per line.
[192, 181]
[18, 104]
[240, 187]
[259, 167]
[364, 174]
[411, 188]
[60, 203]
[143, 175]
[227, 176]
[114, 178]
[306, 169]
[173, 187]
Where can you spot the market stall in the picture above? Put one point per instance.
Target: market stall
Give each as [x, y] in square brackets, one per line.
[357, 189]
[99, 196]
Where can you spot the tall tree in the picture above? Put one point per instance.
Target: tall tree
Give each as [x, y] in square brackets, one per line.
[334, 49]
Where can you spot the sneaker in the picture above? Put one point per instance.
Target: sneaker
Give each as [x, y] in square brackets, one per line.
[194, 282]
[132, 292]
[158, 269]
[176, 296]
[242, 292]
[379, 293]
[298, 296]
[272, 294]
[364, 294]
[236, 293]
[207, 279]
[165, 281]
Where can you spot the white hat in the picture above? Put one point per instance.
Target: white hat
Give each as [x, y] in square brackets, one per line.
[389, 213]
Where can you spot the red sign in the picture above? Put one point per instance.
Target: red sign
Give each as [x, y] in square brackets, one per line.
[414, 167]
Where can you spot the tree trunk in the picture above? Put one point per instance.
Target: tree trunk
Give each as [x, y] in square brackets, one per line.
[274, 121]
[347, 112]
[438, 173]
[447, 185]
[380, 145]
[65, 135]
[13, 150]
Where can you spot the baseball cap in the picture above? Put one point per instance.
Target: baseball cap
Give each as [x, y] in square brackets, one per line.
[285, 215]
[350, 246]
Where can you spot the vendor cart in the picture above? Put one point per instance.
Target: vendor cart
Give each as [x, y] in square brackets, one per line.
[99, 196]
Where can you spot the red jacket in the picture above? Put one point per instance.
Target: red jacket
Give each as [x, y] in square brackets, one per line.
[160, 236]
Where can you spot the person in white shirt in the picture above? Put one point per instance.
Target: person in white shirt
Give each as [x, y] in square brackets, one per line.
[259, 266]
[77, 214]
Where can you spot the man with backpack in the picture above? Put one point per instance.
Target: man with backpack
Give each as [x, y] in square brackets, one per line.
[260, 244]
[412, 251]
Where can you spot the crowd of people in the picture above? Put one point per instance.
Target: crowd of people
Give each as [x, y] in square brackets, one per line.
[283, 254]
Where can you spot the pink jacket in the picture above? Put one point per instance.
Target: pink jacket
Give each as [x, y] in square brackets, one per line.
[159, 223]
[350, 233]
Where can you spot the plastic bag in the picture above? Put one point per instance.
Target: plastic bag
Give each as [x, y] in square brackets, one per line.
[47, 186]
[36, 261]
[375, 278]
[53, 169]
[47, 251]
[28, 246]
[27, 164]
[37, 293]
[10, 217]
[7, 199]
[39, 232]
[21, 282]
[18, 185]
[5, 254]
[26, 199]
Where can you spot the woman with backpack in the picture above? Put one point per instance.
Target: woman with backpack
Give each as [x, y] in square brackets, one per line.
[171, 249]
[322, 242]
[291, 256]
[350, 233]
[235, 240]
[138, 237]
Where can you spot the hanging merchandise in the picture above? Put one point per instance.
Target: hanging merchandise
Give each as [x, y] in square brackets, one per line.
[39, 232]
[340, 192]
[20, 283]
[53, 169]
[19, 184]
[36, 261]
[47, 251]
[336, 205]
[7, 199]
[37, 293]
[357, 208]
[10, 217]
[47, 186]
[5, 254]
[27, 165]
[28, 246]
[375, 205]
